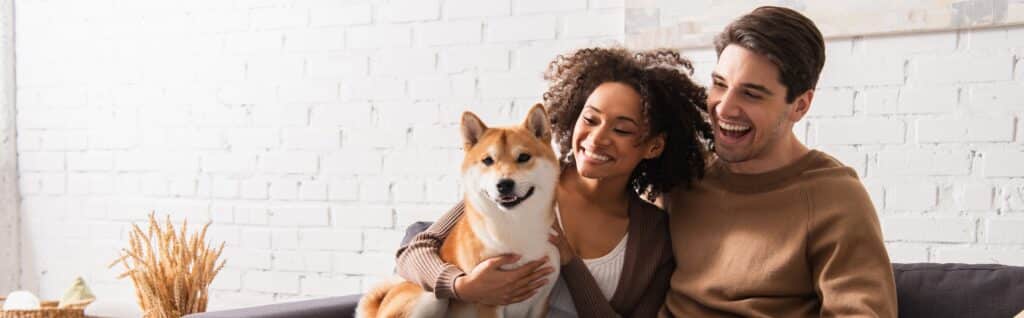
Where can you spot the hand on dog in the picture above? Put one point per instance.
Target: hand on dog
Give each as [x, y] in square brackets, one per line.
[488, 284]
[565, 251]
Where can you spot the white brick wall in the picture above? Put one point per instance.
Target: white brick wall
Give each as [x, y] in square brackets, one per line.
[9, 182]
[312, 131]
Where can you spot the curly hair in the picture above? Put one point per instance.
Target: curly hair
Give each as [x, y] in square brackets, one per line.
[671, 104]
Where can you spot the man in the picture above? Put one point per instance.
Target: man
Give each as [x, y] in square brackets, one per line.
[774, 229]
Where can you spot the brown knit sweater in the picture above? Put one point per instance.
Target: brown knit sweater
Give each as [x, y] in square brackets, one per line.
[642, 286]
[800, 241]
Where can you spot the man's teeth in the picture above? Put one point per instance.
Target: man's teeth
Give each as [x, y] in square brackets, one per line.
[732, 127]
[595, 156]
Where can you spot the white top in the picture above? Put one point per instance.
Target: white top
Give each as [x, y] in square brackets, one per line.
[606, 271]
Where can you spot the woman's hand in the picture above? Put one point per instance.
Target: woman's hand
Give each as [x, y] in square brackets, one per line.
[565, 251]
[488, 284]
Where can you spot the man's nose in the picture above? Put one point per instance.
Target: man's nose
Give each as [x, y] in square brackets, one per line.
[728, 105]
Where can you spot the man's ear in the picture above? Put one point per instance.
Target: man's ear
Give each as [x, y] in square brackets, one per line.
[801, 105]
[656, 147]
[537, 123]
[472, 129]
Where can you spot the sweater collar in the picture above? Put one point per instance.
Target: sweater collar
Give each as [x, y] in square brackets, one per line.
[758, 182]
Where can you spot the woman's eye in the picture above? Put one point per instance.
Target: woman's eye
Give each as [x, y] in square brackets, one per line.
[488, 161]
[623, 132]
[589, 121]
[523, 158]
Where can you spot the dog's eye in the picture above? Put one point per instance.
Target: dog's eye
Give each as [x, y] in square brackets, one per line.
[523, 158]
[488, 161]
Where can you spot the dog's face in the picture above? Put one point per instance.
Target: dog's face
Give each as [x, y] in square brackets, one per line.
[506, 166]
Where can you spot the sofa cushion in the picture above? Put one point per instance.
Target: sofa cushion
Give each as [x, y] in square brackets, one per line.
[959, 290]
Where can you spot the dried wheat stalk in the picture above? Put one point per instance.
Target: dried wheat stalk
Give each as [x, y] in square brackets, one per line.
[171, 271]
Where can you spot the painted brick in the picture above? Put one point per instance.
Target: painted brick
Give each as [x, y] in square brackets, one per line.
[354, 217]
[920, 229]
[271, 282]
[288, 162]
[284, 189]
[313, 191]
[997, 97]
[457, 60]
[351, 162]
[326, 13]
[302, 261]
[285, 239]
[455, 9]
[1004, 231]
[315, 139]
[41, 161]
[409, 191]
[924, 162]
[228, 162]
[406, 114]
[315, 40]
[1012, 257]
[225, 188]
[365, 264]
[373, 88]
[247, 258]
[511, 85]
[917, 43]
[299, 216]
[859, 131]
[923, 100]
[862, 70]
[594, 24]
[911, 196]
[404, 62]
[277, 18]
[448, 33]
[323, 286]
[975, 196]
[342, 190]
[252, 139]
[255, 238]
[331, 240]
[356, 115]
[409, 11]
[336, 66]
[1003, 164]
[370, 37]
[520, 29]
[252, 215]
[832, 102]
[903, 253]
[433, 87]
[963, 67]
[89, 161]
[540, 6]
[965, 130]
[382, 240]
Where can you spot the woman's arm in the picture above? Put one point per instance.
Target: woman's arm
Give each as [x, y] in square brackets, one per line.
[420, 261]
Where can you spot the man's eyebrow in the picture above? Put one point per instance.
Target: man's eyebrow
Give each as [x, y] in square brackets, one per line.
[756, 87]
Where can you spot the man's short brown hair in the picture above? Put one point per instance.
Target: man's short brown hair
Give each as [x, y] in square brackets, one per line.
[784, 36]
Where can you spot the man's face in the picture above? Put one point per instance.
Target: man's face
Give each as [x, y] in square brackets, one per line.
[748, 106]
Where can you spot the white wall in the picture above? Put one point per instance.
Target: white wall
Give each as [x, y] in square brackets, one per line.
[9, 258]
[311, 131]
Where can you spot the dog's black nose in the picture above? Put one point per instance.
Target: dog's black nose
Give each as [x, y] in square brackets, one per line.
[506, 186]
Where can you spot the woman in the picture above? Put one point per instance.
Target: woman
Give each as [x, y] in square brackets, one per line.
[626, 124]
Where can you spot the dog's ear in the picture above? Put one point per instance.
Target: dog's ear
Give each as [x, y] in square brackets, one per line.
[537, 123]
[472, 129]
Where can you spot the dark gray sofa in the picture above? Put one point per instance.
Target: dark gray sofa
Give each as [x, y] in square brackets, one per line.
[924, 290]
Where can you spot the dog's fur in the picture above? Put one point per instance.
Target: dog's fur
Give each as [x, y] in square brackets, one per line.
[494, 223]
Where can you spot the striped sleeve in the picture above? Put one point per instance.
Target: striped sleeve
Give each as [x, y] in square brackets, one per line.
[420, 261]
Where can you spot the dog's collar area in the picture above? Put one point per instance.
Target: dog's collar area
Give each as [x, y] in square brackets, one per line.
[513, 203]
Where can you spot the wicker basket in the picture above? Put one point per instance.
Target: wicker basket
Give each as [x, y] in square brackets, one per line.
[48, 309]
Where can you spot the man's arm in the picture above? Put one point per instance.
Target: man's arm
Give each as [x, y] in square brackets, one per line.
[420, 261]
[851, 268]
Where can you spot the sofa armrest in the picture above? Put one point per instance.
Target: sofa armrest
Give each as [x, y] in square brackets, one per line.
[331, 307]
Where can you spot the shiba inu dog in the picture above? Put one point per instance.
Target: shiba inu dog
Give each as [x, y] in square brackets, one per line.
[509, 176]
